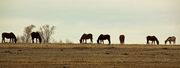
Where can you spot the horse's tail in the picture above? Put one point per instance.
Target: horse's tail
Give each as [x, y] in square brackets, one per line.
[147, 39]
[109, 39]
[174, 39]
[3, 38]
[91, 38]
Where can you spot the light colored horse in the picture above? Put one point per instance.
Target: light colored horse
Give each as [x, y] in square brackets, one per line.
[171, 39]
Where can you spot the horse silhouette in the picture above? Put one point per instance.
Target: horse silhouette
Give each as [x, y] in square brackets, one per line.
[122, 39]
[102, 37]
[10, 36]
[37, 36]
[85, 37]
[170, 39]
[153, 39]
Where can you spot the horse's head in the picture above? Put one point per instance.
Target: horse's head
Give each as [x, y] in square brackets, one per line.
[98, 41]
[157, 41]
[80, 40]
[15, 39]
[165, 41]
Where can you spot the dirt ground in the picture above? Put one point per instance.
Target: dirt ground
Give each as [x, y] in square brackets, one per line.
[89, 56]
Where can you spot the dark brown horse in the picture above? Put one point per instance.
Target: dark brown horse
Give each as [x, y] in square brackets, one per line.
[170, 39]
[102, 37]
[153, 39]
[85, 37]
[122, 39]
[10, 36]
[37, 36]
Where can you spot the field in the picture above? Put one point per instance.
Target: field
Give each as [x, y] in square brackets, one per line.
[89, 56]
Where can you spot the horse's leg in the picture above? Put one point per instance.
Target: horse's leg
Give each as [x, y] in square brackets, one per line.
[32, 40]
[82, 40]
[121, 41]
[147, 41]
[3, 40]
[13, 40]
[36, 40]
[85, 40]
[9, 40]
[91, 40]
[169, 42]
[100, 41]
[152, 42]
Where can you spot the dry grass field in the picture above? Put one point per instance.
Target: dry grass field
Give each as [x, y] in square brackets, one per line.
[89, 56]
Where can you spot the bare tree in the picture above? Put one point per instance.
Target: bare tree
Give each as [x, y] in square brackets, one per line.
[27, 32]
[18, 39]
[69, 41]
[22, 39]
[60, 41]
[46, 32]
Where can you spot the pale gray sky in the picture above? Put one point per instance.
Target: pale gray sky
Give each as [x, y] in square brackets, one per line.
[134, 18]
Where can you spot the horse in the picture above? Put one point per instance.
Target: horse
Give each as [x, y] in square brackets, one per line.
[102, 37]
[170, 39]
[153, 39]
[84, 38]
[122, 38]
[37, 36]
[10, 36]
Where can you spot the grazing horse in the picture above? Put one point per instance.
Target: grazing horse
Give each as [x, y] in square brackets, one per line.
[84, 38]
[10, 36]
[37, 36]
[153, 39]
[122, 38]
[171, 39]
[102, 37]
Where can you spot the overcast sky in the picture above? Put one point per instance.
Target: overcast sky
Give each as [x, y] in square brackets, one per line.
[134, 18]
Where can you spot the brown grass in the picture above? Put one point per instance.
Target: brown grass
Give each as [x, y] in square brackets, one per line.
[89, 56]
